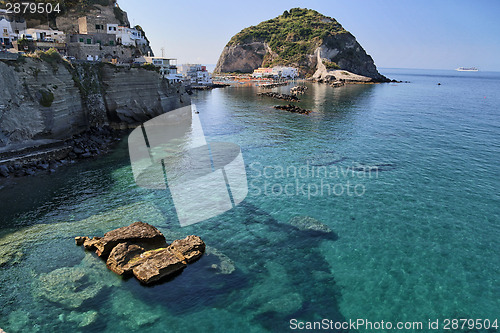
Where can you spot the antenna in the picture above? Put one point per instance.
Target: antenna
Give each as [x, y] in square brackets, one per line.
[163, 52]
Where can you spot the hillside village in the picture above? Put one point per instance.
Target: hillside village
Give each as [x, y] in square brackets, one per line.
[99, 36]
[91, 37]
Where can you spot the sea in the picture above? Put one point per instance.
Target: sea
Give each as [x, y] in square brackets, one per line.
[379, 211]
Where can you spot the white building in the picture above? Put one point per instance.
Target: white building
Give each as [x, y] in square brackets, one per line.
[168, 67]
[111, 28]
[195, 74]
[126, 36]
[262, 72]
[11, 27]
[285, 72]
[44, 35]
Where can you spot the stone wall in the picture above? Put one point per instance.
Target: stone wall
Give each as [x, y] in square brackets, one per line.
[124, 54]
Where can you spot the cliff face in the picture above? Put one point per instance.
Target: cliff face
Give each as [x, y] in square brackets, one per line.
[40, 100]
[301, 38]
[242, 57]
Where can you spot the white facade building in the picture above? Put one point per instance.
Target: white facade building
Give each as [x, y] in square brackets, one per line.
[43, 35]
[195, 74]
[111, 28]
[168, 67]
[126, 36]
[11, 27]
[285, 72]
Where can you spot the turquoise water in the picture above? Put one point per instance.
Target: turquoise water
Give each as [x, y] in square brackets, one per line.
[405, 175]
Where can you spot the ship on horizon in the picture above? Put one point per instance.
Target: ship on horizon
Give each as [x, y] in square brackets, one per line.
[467, 69]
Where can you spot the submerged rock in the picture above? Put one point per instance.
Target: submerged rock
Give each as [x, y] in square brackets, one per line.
[71, 286]
[307, 223]
[141, 249]
[225, 266]
[132, 314]
[82, 318]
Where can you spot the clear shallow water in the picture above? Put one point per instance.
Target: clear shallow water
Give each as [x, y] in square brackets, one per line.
[417, 241]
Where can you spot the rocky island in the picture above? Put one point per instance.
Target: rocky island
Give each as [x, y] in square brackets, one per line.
[142, 250]
[316, 44]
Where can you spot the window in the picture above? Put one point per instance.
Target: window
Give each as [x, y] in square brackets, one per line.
[89, 41]
[98, 42]
[16, 32]
[99, 27]
[81, 40]
[111, 43]
[4, 31]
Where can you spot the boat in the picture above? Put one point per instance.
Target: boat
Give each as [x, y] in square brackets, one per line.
[467, 69]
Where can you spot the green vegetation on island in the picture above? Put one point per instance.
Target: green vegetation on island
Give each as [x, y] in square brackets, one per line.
[291, 36]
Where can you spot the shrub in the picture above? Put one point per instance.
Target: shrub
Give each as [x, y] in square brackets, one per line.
[51, 56]
[46, 97]
[150, 67]
[330, 64]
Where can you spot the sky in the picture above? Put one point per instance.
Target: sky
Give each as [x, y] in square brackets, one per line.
[443, 34]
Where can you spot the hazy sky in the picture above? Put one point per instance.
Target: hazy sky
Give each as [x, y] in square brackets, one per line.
[396, 33]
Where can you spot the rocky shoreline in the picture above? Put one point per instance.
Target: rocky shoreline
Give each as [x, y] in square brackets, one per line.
[47, 157]
[141, 250]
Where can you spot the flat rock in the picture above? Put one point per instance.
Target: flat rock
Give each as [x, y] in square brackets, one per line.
[138, 232]
[121, 255]
[89, 243]
[80, 240]
[190, 248]
[157, 264]
[142, 250]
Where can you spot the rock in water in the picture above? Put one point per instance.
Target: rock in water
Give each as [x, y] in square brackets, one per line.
[300, 38]
[156, 264]
[137, 232]
[307, 223]
[141, 249]
[121, 255]
[190, 248]
[292, 108]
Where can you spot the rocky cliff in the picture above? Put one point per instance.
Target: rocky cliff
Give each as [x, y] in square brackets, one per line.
[54, 100]
[301, 38]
